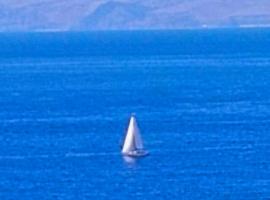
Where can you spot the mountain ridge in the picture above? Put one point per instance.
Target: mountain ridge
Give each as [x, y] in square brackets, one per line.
[82, 15]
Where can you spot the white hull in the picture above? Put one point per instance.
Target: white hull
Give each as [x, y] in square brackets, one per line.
[136, 153]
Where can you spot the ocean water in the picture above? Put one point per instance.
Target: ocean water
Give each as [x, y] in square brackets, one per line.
[202, 100]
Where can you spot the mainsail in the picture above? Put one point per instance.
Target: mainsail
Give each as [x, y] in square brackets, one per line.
[133, 140]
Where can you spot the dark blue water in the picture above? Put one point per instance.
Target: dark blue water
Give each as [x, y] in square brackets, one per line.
[202, 100]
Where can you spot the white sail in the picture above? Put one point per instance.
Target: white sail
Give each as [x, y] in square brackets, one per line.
[137, 135]
[133, 138]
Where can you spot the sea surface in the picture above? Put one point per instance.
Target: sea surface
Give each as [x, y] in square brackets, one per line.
[201, 97]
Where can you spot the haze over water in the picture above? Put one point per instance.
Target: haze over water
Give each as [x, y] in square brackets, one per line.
[201, 99]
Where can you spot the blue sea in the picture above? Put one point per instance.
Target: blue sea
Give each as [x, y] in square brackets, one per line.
[201, 97]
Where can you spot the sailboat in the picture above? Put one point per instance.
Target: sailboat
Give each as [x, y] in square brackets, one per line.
[133, 144]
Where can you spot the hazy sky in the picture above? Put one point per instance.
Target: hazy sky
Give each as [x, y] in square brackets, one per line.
[46, 15]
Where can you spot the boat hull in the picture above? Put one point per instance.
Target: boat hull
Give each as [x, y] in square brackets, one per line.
[136, 153]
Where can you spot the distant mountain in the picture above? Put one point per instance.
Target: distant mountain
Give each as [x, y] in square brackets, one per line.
[64, 15]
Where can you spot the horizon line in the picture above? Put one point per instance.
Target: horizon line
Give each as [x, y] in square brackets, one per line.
[138, 30]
